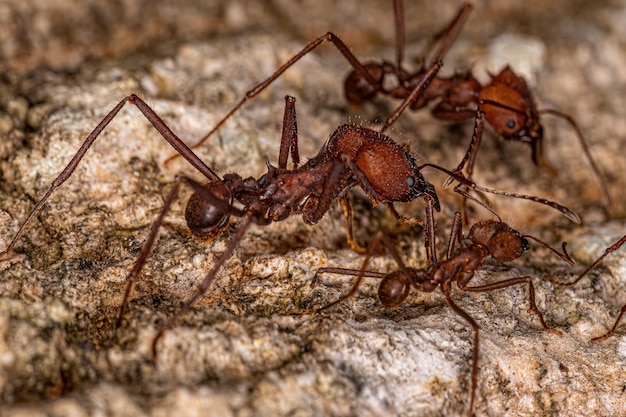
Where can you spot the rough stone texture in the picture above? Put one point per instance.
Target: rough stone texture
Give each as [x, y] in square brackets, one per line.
[244, 350]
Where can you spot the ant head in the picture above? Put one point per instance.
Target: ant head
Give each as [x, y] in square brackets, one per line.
[510, 110]
[503, 243]
[392, 172]
[359, 89]
[204, 218]
[393, 289]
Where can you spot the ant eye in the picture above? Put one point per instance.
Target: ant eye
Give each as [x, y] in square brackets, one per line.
[410, 181]
[510, 124]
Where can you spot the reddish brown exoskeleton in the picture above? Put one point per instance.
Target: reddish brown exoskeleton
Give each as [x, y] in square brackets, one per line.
[506, 101]
[490, 238]
[368, 76]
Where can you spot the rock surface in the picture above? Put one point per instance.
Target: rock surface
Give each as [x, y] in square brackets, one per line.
[244, 349]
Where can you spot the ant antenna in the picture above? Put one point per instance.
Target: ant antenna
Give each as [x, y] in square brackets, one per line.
[460, 178]
[564, 256]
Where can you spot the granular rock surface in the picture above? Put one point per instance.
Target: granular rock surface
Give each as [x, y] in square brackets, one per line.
[250, 346]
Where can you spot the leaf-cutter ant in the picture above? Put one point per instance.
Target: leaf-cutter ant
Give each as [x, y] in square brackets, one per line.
[487, 238]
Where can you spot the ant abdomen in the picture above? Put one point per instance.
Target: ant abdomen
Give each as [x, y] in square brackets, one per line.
[358, 89]
[394, 289]
[204, 218]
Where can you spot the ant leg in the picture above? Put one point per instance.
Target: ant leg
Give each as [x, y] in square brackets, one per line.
[156, 225]
[206, 283]
[145, 250]
[583, 145]
[398, 12]
[610, 332]
[507, 283]
[417, 90]
[348, 211]
[289, 138]
[345, 271]
[429, 227]
[451, 31]
[330, 37]
[456, 235]
[459, 311]
[67, 172]
[472, 150]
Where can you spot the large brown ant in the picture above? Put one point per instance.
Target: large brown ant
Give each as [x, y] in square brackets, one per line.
[615, 246]
[488, 238]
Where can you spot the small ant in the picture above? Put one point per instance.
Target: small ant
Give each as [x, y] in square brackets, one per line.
[615, 246]
[506, 102]
[488, 238]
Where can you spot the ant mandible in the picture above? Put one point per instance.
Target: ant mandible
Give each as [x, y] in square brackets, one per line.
[488, 238]
[615, 246]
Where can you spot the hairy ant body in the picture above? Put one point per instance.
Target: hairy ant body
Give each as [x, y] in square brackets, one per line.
[353, 155]
[615, 246]
[488, 238]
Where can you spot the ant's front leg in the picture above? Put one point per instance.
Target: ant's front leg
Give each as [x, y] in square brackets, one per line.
[358, 67]
[348, 212]
[472, 150]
